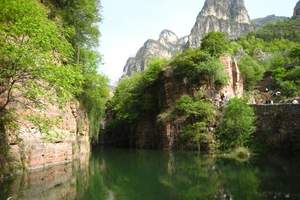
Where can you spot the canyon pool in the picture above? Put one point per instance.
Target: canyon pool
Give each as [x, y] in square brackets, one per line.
[155, 175]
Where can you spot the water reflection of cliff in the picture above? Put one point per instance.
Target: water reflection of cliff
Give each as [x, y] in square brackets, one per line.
[56, 183]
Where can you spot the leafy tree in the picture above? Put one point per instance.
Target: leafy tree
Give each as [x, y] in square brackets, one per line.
[197, 65]
[237, 125]
[251, 70]
[130, 99]
[35, 56]
[80, 21]
[215, 43]
[200, 114]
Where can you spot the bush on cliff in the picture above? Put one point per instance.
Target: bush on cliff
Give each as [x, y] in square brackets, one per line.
[237, 124]
[251, 70]
[199, 115]
[197, 66]
[215, 43]
[131, 99]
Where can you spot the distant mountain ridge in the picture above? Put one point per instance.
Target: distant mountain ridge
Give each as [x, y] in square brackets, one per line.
[259, 22]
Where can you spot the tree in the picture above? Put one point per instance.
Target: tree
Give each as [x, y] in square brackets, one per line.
[197, 65]
[199, 114]
[35, 57]
[237, 125]
[80, 21]
[251, 71]
[215, 43]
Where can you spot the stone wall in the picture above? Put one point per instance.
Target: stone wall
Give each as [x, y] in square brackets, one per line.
[278, 126]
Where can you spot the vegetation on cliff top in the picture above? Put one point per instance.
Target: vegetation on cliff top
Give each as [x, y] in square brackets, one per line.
[271, 52]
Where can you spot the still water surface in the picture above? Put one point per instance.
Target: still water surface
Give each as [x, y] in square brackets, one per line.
[156, 175]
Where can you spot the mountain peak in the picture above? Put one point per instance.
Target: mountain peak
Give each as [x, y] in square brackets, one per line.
[228, 16]
[167, 36]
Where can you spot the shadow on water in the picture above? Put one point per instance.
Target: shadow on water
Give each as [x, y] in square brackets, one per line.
[155, 175]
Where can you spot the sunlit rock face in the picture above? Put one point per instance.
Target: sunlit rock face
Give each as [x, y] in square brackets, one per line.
[228, 16]
[31, 148]
[297, 10]
[166, 46]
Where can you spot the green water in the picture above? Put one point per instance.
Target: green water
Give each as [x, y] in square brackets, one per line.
[157, 175]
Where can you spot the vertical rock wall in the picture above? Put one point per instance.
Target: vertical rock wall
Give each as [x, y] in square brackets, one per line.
[30, 148]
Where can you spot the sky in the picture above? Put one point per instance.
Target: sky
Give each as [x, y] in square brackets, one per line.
[127, 24]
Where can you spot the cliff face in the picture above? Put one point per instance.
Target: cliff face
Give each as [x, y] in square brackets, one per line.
[166, 46]
[228, 16]
[32, 145]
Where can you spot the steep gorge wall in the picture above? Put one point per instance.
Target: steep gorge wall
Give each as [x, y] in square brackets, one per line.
[28, 147]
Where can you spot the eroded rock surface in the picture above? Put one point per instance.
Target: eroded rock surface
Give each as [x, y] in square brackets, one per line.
[228, 16]
[166, 46]
[30, 147]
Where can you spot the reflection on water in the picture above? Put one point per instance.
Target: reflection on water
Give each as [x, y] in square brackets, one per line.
[156, 175]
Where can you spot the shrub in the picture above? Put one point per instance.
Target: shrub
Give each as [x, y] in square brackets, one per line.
[215, 43]
[237, 125]
[197, 65]
[251, 71]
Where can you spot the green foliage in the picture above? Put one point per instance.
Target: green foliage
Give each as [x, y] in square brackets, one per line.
[47, 128]
[155, 67]
[196, 109]
[284, 69]
[199, 114]
[272, 50]
[197, 65]
[288, 29]
[47, 52]
[94, 91]
[215, 43]
[131, 99]
[251, 70]
[237, 125]
[34, 54]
